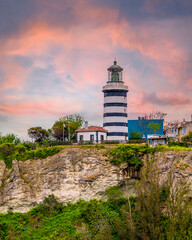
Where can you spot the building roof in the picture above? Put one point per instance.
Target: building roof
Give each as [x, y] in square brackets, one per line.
[92, 129]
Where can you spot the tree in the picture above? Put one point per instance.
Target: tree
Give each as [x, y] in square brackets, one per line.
[70, 123]
[154, 127]
[187, 138]
[38, 133]
[10, 138]
[155, 115]
[135, 135]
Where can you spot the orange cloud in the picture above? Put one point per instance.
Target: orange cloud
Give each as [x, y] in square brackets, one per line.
[82, 50]
[54, 106]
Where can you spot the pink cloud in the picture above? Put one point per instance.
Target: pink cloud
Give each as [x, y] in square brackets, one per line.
[84, 48]
[50, 107]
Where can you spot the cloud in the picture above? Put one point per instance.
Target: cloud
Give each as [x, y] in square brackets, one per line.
[50, 107]
[55, 61]
[166, 99]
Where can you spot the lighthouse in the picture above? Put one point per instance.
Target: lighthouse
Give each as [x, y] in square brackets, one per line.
[115, 105]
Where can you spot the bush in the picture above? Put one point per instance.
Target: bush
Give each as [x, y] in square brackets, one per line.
[56, 143]
[187, 138]
[110, 142]
[134, 141]
[9, 151]
[10, 138]
[85, 142]
[180, 144]
[115, 196]
[129, 154]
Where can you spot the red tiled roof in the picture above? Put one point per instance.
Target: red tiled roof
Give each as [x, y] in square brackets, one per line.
[92, 129]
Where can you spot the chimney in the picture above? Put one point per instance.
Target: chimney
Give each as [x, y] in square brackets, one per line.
[86, 124]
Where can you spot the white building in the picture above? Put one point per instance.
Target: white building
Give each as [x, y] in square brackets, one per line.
[115, 105]
[155, 139]
[91, 133]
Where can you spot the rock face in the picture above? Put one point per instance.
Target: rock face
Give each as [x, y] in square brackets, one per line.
[72, 174]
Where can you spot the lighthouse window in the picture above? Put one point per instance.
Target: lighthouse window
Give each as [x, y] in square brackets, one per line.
[114, 76]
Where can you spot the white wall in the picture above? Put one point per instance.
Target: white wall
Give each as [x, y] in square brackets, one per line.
[86, 136]
[116, 128]
[120, 138]
[115, 99]
[115, 109]
[115, 119]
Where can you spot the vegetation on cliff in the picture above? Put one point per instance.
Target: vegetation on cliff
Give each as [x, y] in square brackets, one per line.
[10, 151]
[132, 154]
[158, 212]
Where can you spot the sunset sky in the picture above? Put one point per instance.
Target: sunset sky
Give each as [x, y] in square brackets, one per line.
[54, 56]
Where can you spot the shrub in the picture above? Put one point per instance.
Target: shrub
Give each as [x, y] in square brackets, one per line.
[7, 149]
[187, 138]
[134, 141]
[110, 142]
[8, 152]
[55, 143]
[135, 135]
[85, 142]
[180, 144]
[129, 154]
[115, 196]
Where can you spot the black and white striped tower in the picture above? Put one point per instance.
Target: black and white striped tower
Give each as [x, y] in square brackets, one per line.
[115, 105]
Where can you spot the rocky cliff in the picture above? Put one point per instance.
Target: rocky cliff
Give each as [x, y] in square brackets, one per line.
[75, 173]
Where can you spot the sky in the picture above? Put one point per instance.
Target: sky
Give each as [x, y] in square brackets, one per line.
[54, 57]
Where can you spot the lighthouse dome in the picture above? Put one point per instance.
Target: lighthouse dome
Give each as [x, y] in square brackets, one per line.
[115, 73]
[115, 67]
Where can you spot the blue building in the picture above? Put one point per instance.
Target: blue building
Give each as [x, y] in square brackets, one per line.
[141, 126]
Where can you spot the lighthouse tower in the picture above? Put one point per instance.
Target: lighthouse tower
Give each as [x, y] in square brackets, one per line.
[115, 105]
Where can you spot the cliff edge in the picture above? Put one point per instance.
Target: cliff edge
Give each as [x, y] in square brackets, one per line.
[75, 173]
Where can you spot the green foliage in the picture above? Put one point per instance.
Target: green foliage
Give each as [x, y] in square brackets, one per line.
[187, 138]
[110, 142]
[180, 144]
[75, 121]
[85, 142]
[9, 152]
[154, 127]
[130, 154]
[115, 196]
[134, 141]
[9, 138]
[158, 212]
[163, 212]
[38, 133]
[56, 143]
[135, 135]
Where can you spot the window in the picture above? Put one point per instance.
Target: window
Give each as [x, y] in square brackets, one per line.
[102, 138]
[92, 137]
[81, 137]
[183, 130]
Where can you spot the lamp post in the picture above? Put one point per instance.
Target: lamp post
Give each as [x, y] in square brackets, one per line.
[69, 132]
[63, 131]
